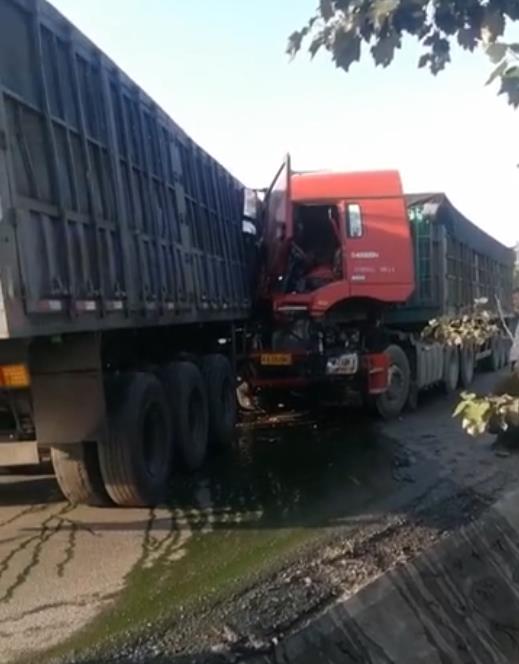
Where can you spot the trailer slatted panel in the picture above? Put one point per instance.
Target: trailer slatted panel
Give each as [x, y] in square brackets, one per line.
[113, 216]
[455, 262]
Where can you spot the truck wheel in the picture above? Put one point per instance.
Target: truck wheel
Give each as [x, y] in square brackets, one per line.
[189, 412]
[503, 353]
[390, 404]
[220, 385]
[136, 457]
[413, 398]
[493, 361]
[451, 369]
[78, 474]
[467, 366]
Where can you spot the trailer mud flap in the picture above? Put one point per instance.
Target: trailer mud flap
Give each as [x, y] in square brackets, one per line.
[67, 390]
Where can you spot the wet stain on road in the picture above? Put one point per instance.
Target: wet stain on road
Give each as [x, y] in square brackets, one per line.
[292, 471]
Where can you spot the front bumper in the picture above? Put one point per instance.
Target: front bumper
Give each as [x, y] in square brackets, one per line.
[366, 372]
[301, 368]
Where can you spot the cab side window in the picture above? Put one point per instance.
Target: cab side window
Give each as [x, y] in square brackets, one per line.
[354, 225]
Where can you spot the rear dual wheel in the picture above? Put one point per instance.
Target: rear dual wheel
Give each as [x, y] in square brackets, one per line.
[222, 403]
[189, 412]
[152, 421]
[136, 457]
[203, 407]
[467, 366]
[495, 359]
[503, 351]
[132, 466]
[451, 369]
[498, 357]
[78, 474]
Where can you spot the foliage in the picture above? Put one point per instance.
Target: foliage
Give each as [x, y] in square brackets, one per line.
[345, 27]
[495, 412]
[483, 413]
[475, 329]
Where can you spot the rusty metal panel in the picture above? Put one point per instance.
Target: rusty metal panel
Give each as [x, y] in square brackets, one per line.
[113, 216]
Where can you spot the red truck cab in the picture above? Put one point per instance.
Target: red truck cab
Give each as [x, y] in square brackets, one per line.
[336, 251]
[347, 233]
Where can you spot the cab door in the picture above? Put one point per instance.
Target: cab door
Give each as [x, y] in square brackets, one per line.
[379, 248]
[278, 228]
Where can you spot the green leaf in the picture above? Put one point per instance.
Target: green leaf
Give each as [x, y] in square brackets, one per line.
[496, 52]
[493, 25]
[498, 71]
[384, 50]
[510, 88]
[467, 38]
[459, 409]
[296, 38]
[346, 49]
[326, 9]
[318, 41]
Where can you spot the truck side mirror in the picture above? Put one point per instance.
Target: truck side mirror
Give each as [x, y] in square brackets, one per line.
[248, 227]
[251, 204]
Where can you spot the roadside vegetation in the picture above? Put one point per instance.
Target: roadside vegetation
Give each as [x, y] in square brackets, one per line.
[353, 29]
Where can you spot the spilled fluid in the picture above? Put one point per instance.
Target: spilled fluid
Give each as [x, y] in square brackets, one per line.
[293, 470]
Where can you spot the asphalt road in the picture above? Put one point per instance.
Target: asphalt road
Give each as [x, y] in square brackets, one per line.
[303, 509]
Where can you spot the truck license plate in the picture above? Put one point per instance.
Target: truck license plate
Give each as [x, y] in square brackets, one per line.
[276, 359]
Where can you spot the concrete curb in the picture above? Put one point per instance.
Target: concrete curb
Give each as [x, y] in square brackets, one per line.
[456, 603]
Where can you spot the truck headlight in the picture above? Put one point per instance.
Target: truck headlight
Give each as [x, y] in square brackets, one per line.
[343, 365]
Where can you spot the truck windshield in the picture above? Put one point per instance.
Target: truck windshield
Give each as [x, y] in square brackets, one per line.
[313, 256]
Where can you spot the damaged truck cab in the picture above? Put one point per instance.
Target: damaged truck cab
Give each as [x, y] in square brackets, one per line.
[336, 251]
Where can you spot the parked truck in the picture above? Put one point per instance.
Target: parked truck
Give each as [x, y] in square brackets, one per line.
[353, 270]
[131, 297]
[123, 271]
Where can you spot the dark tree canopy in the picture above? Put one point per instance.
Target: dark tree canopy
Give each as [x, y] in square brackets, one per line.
[345, 27]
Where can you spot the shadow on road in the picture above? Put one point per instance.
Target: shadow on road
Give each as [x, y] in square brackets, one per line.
[20, 490]
[287, 471]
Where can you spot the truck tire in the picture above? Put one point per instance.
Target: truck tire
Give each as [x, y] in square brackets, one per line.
[187, 398]
[503, 353]
[451, 369]
[413, 398]
[391, 403]
[220, 384]
[136, 457]
[78, 474]
[493, 361]
[467, 366]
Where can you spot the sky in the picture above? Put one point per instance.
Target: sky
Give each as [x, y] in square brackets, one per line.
[219, 68]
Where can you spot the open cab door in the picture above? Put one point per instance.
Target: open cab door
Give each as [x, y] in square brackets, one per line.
[277, 229]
